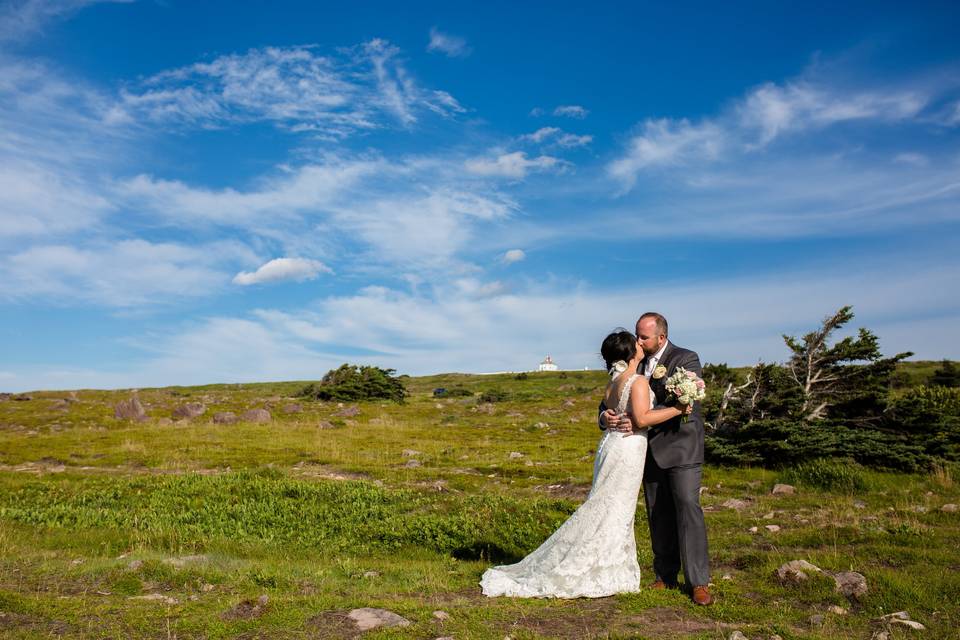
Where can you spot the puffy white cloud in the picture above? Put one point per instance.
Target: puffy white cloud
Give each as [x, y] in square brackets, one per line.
[452, 46]
[280, 269]
[514, 255]
[512, 165]
[571, 111]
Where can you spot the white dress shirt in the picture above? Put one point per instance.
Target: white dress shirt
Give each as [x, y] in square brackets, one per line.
[653, 360]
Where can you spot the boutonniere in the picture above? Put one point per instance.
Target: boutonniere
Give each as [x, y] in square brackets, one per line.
[659, 371]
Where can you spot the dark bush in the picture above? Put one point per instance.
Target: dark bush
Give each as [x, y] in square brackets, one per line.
[494, 395]
[351, 383]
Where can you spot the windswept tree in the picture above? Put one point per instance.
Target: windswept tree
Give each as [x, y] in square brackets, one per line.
[850, 377]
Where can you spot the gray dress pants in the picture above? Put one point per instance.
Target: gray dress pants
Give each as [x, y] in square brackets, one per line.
[678, 533]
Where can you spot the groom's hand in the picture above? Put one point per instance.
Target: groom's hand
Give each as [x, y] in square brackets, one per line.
[615, 422]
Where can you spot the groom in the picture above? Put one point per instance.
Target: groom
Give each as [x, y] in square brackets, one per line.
[673, 469]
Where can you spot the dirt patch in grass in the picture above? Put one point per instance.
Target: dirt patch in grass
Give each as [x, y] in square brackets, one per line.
[585, 619]
[331, 625]
[668, 622]
[24, 622]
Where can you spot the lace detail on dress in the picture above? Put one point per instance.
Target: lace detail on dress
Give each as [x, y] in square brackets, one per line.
[594, 553]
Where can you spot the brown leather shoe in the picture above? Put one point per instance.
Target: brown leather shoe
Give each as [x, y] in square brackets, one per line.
[701, 595]
[659, 584]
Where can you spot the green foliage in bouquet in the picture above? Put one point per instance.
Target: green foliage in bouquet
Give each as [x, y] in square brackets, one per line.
[352, 383]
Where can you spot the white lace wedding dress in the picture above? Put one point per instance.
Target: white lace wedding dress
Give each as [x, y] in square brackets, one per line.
[594, 553]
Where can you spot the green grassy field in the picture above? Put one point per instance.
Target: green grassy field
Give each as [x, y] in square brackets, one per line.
[402, 507]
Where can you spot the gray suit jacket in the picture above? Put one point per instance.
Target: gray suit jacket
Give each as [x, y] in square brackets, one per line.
[677, 442]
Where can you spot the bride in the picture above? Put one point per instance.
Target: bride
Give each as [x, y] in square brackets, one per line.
[594, 553]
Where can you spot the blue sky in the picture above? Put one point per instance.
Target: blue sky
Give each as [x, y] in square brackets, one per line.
[226, 192]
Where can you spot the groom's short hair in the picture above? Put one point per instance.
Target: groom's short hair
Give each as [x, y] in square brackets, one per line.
[661, 322]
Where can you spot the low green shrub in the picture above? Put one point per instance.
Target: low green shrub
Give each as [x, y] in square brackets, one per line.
[352, 383]
[828, 474]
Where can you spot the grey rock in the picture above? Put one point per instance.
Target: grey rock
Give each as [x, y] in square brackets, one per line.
[256, 415]
[949, 508]
[912, 624]
[225, 417]
[130, 409]
[859, 504]
[159, 597]
[412, 464]
[411, 452]
[896, 615]
[135, 564]
[189, 410]
[840, 611]
[851, 584]
[368, 618]
[735, 503]
[350, 411]
[882, 634]
[23, 397]
[441, 615]
[772, 528]
[797, 571]
[293, 407]
[816, 620]
[783, 490]
[515, 454]
[736, 635]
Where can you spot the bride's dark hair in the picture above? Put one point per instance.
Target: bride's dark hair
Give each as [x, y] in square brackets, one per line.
[619, 345]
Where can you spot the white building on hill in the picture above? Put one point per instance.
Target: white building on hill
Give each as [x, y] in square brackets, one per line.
[548, 365]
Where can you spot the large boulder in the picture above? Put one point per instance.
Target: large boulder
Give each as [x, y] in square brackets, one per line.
[256, 415]
[130, 409]
[224, 417]
[189, 410]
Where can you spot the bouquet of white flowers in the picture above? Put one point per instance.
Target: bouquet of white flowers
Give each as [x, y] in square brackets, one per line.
[686, 386]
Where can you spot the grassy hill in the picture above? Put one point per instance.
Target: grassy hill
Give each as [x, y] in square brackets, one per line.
[172, 528]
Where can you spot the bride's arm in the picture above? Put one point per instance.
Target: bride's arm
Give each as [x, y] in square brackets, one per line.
[641, 415]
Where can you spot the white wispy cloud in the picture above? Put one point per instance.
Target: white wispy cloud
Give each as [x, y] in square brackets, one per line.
[557, 136]
[512, 165]
[282, 269]
[357, 89]
[667, 142]
[765, 115]
[451, 327]
[36, 201]
[571, 111]
[774, 110]
[20, 19]
[450, 45]
[123, 274]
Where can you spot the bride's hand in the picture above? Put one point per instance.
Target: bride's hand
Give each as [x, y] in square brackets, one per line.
[686, 409]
